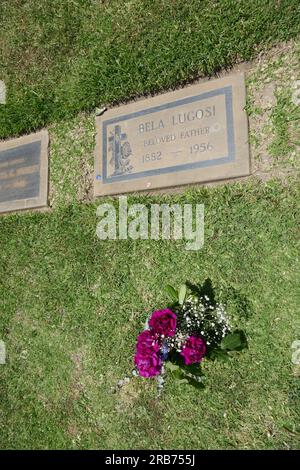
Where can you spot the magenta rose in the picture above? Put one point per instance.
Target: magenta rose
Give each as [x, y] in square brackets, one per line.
[147, 343]
[147, 358]
[193, 350]
[163, 322]
[148, 366]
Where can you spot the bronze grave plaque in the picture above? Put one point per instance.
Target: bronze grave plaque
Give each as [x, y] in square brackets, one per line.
[24, 172]
[193, 135]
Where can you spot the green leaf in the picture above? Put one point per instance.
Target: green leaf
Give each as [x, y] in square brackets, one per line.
[176, 371]
[182, 294]
[194, 369]
[182, 381]
[172, 367]
[235, 341]
[178, 374]
[172, 293]
[219, 354]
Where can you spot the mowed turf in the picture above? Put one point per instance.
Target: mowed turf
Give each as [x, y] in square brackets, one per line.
[72, 305]
[60, 57]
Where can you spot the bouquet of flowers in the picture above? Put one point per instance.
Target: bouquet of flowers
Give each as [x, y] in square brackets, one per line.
[179, 338]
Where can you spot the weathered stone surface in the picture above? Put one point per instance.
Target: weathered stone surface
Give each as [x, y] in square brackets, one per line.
[196, 134]
[24, 172]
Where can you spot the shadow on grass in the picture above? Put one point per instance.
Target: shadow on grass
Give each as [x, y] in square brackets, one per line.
[234, 299]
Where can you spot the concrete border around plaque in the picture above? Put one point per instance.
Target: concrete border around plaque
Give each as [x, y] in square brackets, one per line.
[196, 134]
[24, 172]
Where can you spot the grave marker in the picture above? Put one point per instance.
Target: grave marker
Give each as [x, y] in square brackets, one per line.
[24, 172]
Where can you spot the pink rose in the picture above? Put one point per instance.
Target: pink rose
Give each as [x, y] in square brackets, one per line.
[147, 358]
[163, 322]
[193, 350]
[148, 366]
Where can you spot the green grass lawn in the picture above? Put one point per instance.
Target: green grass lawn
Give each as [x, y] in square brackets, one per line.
[71, 307]
[59, 57]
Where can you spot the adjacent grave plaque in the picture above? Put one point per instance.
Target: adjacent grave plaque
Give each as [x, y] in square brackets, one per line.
[24, 172]
[197, 134]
